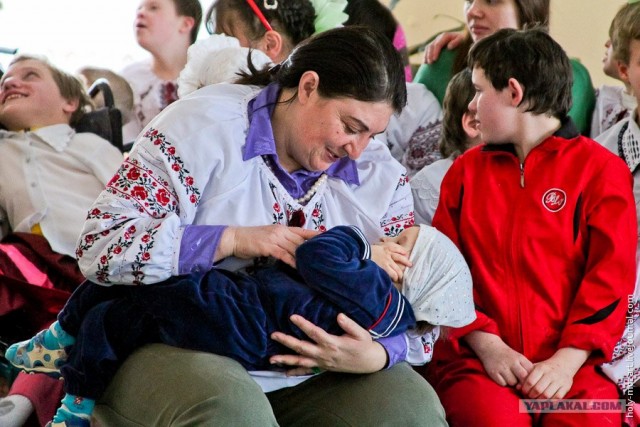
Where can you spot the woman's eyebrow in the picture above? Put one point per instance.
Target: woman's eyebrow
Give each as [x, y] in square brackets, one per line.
[361, 125]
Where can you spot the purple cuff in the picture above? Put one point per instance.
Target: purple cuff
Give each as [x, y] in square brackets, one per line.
[198, 245]
[396, 348]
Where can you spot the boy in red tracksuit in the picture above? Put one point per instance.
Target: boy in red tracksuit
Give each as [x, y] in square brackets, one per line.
[546, 221]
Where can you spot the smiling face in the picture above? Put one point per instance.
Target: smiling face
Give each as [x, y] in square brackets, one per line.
[323, 130]
[485, 17]
[30, 97]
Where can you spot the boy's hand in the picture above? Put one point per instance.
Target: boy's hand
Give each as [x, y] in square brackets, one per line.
[553, 378]
[503, 364]
[392, 258]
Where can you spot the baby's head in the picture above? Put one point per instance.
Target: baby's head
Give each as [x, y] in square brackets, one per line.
[438, 283]
[34, 93]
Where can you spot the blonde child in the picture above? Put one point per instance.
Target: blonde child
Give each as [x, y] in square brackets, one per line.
[49, 177]
[613, 103]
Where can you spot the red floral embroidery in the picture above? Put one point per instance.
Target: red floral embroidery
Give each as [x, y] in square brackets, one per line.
[162, 196]
[139, 192]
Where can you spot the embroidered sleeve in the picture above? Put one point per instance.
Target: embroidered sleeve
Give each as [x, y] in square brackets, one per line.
[400, 213]
[133, 231]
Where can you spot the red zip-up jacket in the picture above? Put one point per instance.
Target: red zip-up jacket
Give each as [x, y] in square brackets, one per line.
[550, 243]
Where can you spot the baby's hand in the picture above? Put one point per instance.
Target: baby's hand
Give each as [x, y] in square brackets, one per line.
[392, 258]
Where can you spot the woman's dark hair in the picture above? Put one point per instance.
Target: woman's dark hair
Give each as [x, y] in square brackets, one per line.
[293, 18]
[460, 92]
[531, 13]
[535, 60]
[193, 9]
[352, 62]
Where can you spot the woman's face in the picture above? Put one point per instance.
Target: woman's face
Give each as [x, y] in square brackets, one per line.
[485, 17]
[327, 129]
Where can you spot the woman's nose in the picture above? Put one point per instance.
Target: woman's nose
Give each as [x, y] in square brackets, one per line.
[473, 9]
[354, 149]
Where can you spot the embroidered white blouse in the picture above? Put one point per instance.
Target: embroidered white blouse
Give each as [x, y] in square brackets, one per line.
[151, 95]
[51, 177]
[188, 169]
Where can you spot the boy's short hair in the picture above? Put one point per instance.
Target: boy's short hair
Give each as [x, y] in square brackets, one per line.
[625, 27]
[535, 60]
[193, 9]
[460, 92]
[71, 88]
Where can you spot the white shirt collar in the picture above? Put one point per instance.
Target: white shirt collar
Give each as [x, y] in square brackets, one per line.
[57, 136]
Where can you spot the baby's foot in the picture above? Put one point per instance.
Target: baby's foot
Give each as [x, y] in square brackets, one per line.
[35, 356]
[74, 412]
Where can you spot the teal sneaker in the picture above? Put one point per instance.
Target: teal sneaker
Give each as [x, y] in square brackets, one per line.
[32, 356]
[75, 422]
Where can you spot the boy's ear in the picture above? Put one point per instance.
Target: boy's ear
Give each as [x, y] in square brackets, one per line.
[70, 106]
[516, 92]
[273, 45]
[187, 24]
[623, 71]
[308, 84]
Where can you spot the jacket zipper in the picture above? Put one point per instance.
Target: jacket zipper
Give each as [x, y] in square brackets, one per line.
[522, 174]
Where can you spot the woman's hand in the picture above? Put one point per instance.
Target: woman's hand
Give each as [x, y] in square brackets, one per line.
[276, 241]
[503, 364]
[353, 352]
[449, 40]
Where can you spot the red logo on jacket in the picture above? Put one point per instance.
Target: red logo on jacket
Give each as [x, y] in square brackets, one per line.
[554, 199]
